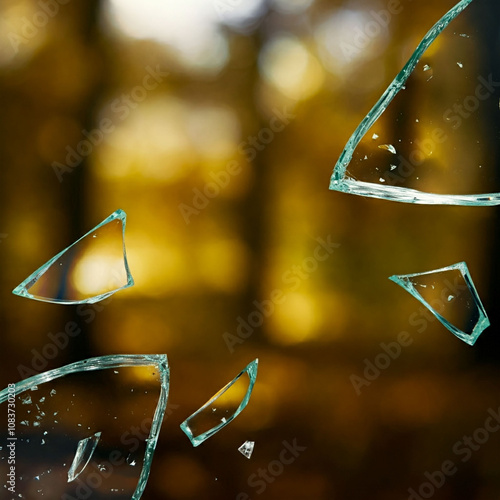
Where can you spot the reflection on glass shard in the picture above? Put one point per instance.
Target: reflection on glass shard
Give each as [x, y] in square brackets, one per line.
[222, 408]
[89, 270]
[109, 409]
[84, 452]
[439, 111]
[247, 448]
[451, 296]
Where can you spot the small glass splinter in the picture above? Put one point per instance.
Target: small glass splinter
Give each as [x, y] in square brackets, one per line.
[222, 408]
[246, 448]
[89, 270]
[451, 296]
[445, 170]
[84, 452]
[54, 416]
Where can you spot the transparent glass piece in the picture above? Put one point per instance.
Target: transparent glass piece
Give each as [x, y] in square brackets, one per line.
[84, 452]
[109, 409]
[246, 448]
[222, 408]
[450, 295]
[432, 136]
[89, 270]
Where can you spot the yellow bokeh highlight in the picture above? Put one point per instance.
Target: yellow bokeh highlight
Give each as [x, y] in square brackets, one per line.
[295, 320]
[287, 64]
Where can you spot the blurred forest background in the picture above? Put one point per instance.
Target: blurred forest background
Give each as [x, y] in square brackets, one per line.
[221, 158]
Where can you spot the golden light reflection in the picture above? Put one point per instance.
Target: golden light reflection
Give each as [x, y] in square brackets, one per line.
[164, 140]
[295, 320]
[190, 27]
[19, 36]
[130, 332]
[347, 38]
[288, 65]
[224, 264]
[151, 143]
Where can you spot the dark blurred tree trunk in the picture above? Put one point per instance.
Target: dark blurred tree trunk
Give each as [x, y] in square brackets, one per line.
[488, 30]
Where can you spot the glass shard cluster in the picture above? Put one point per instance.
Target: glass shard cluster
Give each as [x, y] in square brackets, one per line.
[407, 149]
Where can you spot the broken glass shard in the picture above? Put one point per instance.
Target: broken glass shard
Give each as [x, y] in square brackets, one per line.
[438, 122]
[89, 428]
[222, 408]
[89, 270]
[450, 295]
[246, 448]
[83, 455]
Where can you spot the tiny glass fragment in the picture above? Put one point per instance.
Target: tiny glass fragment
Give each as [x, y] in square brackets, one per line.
[246, 448]
[441, 110]
[89, 270]
[222, 408]
[83, 454]
[450, 295]
[91, 427]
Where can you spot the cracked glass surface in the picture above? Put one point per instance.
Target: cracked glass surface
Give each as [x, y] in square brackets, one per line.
[246, 448]
[221, 408]
[86, 430]
[407, 149]
[450, 295]
[89, 270]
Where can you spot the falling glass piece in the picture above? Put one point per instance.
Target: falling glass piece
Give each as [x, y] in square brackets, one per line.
[450, 295]
[83, 455]
[109, 409]
[89, 270]
[222, 408]
[442, 111]
[247, 448]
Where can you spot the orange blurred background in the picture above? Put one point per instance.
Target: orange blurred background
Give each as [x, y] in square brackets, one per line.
[215, 125]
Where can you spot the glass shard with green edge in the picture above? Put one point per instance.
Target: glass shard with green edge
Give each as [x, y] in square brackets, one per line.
[432, 136]
[83, 454]
[450, 295]
[222, 408]
[122, 397]
[89, 270]
[246, 448]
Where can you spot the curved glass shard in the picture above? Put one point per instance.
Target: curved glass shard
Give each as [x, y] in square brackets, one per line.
[222, 408]
[109, 409]
[246, 448]
[450, 295]
[431, 137]
[89, 270]
[84, 452]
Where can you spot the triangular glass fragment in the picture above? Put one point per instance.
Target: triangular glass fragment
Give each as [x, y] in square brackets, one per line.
[84, 452]
[109, 409]
[222, 408]
[246, 448]
[89, 270]
[450, 295]
[432, 136]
